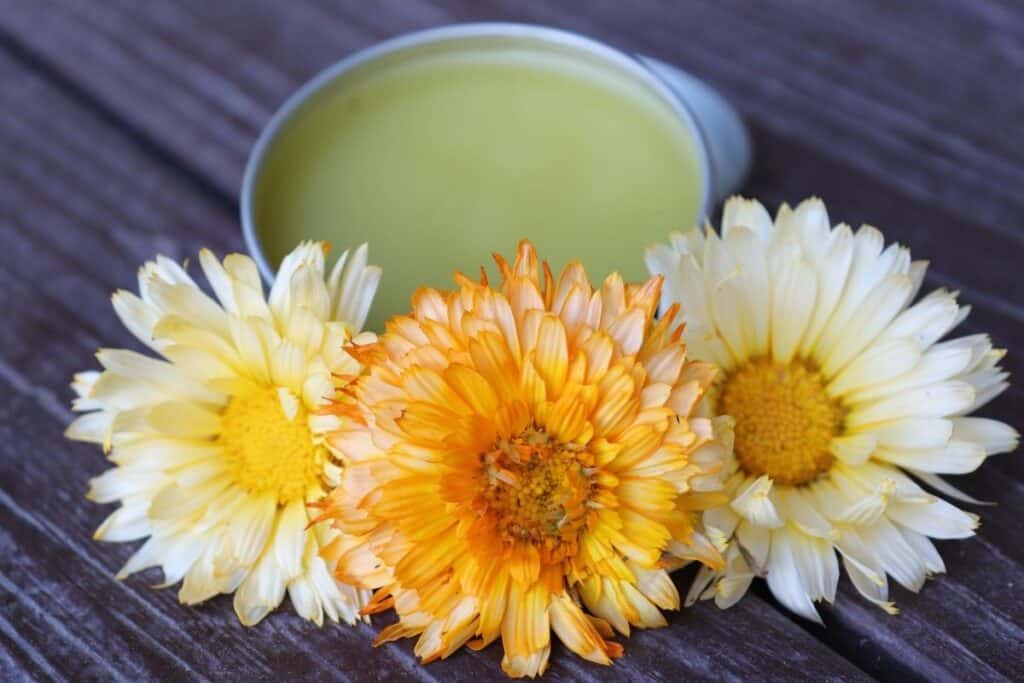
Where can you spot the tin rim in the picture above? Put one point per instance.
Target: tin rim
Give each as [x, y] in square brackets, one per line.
[298, 100]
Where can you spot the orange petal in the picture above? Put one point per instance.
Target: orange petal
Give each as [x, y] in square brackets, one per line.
[578, 633]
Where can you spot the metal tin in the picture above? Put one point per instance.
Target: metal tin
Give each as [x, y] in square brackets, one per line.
[721, 140]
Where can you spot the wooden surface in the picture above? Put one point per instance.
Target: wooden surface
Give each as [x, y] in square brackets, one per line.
[124, 129]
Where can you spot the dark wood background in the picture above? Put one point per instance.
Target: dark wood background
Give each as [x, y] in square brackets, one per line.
[124, 129]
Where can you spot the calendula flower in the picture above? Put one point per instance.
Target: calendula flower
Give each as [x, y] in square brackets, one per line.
[514, 455]
[219, 446]
[839, 387]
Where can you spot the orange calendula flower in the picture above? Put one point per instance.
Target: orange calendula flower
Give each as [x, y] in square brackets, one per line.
[518, 454]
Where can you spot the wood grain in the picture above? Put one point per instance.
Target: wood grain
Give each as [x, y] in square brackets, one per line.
[125, 130]
[64, 616]
[222, 68]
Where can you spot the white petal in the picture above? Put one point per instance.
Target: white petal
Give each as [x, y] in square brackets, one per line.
[785, 579]
[181, 419]
[244, 270]
[202, 364]
[218, 278]
[290, 539]
[307, 254]
[721, 518]
[176, 330]
[853, 449]
[729, 589]
[173, 503]
[917, 272]
[305, 330]
[832, 271]
[199, 473]
[339, 601]
[797, 507]
[937, 400]
[162, 374]
[119, 482]
[994, 436]
[250, 302]
[755, 541]
[288, 366]
[747, 213]
[956, 457]
[940, 363]
[818, 566]
[808, 223]
[248, 342]
[189, 303]
[91, 427]
[874, 592]
[867, 509]
[914, 433]
[730, 309]
[748, 252]
[149, 555]
[937, 519]
[865, 271]
[895, 555]
[309, 291]
[793, 292]
[864, 325]
[988, 382]
[927, 320]
[859, 555]
[250, 531]
[754, 503]
[120, 392]
[305, 601]
[182, 552]
[880, 363]
[925, 550]
[944, 487]
[699, 589]
[138, 316]
[163, 454]
[352, 287]
[260, 592]
[127, 523]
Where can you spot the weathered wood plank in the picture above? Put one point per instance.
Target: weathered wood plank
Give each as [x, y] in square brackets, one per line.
[883, 87]
[818, 83]
[964, 625]
[81, 206]
[961, 256]
[224, 67]
[792, 163]
[872, 98]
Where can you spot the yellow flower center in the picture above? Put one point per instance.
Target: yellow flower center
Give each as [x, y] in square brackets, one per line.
[536, 489]
[785, 420]
[267, 450]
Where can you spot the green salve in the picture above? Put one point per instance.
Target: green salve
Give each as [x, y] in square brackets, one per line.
[441, 160]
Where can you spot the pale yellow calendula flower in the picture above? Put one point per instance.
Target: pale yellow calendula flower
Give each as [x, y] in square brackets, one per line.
[219, 444]
[842, 395]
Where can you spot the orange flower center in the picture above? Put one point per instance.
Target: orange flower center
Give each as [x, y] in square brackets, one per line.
[785, 420]
[536, 490]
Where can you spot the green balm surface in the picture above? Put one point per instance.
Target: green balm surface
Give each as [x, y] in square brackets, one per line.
[443, 159]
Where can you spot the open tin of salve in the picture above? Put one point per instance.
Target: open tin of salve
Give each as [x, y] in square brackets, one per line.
[443, 146]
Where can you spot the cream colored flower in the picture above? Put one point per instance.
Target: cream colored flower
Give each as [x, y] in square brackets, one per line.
[219, 446]
[840, 388]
